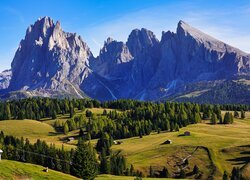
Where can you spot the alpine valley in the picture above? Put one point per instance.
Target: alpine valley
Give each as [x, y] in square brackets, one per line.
[188, 65]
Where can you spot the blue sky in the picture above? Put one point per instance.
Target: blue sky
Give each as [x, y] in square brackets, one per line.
[95, 20]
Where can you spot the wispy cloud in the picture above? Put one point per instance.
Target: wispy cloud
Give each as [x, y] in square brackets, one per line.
[214, 22]
[16, 13]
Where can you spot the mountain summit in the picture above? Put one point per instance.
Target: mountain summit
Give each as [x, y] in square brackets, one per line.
[186, 65]
[50, 61]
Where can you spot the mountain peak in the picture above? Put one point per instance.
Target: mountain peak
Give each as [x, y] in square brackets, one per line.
[41, 26]
[184, 29]
[108, 41]
[141, 38]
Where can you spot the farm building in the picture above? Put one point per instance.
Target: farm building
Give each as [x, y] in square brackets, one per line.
[168, 142]
[117, 142]
[71, 139]
[187, 133]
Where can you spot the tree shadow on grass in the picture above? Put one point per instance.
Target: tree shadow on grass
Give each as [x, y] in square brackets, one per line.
[54, 133]
[244, 159]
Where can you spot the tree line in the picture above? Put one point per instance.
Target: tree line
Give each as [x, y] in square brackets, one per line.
[37, 108]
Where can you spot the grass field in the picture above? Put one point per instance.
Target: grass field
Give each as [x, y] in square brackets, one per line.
[111, 177]
[43, 129]
[34, 130]
[224, 146]
[17, 170]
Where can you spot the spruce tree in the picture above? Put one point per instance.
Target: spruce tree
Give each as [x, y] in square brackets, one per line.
[53, 116]
[236, 114]
[151, 171]
[131, 170]
[214, 119]
[226, 118]
[196, 169]
[7, 113]
[104, 167]
[164, 173]
[182, 174]
[225, 176]
[66, 128]
[84, 161]
[242, 114]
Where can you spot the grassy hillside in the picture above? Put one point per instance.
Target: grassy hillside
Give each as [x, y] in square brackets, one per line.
[106, 177]
[219, 145]
[43, 129]
[33, 130]
[18, 170]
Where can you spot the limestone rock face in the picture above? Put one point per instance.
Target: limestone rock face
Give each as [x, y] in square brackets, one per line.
[51, 62]
[189, 56]
[49, 58]
[5, 77]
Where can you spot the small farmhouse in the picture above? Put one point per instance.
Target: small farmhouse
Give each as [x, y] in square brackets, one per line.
[71, 139]
[168, 142]
[187, 133]
[117, 142]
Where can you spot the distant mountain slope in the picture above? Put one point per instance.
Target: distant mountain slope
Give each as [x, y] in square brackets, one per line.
[51, 62]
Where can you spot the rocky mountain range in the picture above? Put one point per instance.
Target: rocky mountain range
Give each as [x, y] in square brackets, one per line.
[188, 65]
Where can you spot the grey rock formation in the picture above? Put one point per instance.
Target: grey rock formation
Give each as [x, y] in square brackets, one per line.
[51, 62]
[50, 59]
[189, 56]
[5, 77]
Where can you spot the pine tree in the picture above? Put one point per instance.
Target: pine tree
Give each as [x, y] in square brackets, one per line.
[231, 118]
[131, 170]
[151, 171]
[236, 114]
[197, 118]
[226, 118]
[242, 114]
[164, 173]
[66, 128]
[196, 169]
[53, 116]
[236, 174]
[72, 111]
[7, 113]
[225, 176]
[214, 119]
[104, 112]
[84, 161]
[182, 174]
[176, 127]
[104, 167]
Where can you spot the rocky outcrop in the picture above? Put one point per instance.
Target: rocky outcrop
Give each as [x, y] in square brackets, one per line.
[50, 59]
[189, 56]
[51, 62]
[5, 77]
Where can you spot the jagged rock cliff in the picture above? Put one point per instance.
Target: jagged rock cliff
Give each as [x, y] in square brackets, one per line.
[50, 59]
[51, 62]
